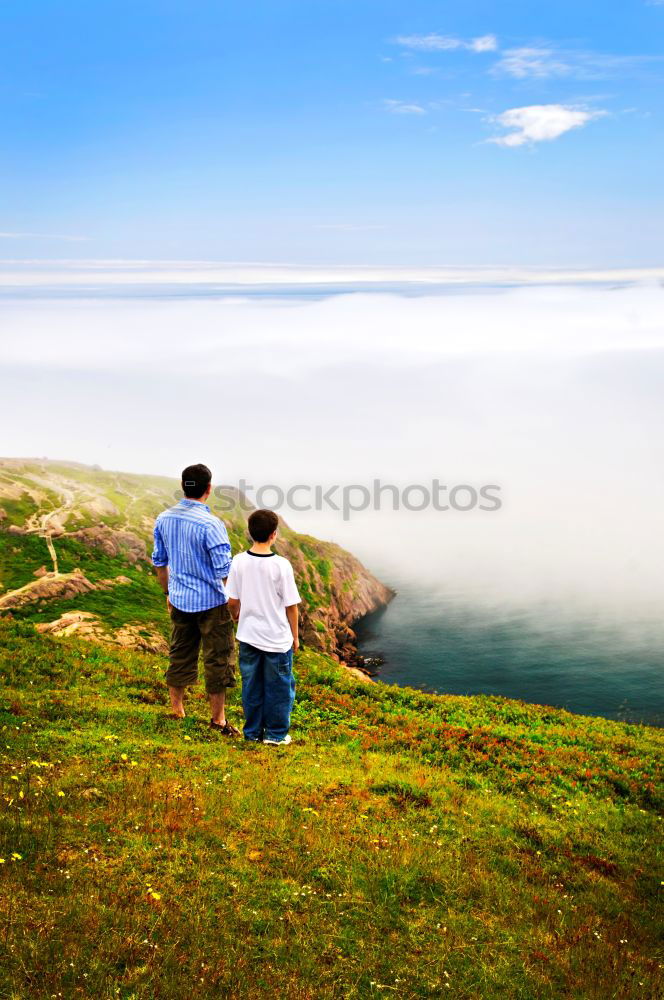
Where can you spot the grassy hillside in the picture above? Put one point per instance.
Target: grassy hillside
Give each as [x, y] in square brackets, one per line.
[101, 523]
[404, 845]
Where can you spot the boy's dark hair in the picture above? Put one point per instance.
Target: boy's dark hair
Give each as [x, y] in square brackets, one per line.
[261, 524]
[195, 481]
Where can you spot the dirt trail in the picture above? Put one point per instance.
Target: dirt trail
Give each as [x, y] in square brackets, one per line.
[40, 524]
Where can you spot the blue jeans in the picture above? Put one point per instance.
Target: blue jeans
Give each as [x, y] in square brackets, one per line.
[268, 692]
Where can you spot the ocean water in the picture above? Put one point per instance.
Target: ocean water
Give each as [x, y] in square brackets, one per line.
[587, 662]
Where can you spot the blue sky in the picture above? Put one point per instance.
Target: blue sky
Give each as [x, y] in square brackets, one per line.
[333, 131]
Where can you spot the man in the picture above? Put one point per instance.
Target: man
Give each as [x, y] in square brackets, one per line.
[192, 555]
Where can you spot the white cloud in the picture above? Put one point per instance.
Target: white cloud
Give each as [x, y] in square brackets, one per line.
[541, 123]
[535, 62]
[403, 108]
[447, 43]
[429, 43]
[545, 62]
[485, 43]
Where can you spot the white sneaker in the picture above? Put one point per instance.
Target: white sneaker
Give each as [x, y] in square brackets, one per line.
[279, 743]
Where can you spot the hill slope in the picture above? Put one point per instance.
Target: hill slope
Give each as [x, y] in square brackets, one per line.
[75, 538]
[405, 844]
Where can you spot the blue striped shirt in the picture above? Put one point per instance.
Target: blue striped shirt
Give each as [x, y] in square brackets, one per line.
[194, 544]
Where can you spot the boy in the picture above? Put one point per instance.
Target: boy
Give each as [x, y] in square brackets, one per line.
[263, 599]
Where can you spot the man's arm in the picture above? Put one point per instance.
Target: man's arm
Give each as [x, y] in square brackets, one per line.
[160, 562]
[293, 618]
[219, 549]
[232, 586]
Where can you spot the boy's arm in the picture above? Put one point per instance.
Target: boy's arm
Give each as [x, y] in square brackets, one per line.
[292, 615]
[291, 599]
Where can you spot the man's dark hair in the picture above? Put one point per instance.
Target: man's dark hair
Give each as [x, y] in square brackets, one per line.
[261, 524]
[195, 481]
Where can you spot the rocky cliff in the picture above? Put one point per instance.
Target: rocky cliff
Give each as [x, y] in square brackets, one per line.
[75, 544]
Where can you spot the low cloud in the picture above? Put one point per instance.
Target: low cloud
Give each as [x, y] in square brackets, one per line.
[536, 389]
[447, 43]
[42, 236]
[349, 227]
[540, 123]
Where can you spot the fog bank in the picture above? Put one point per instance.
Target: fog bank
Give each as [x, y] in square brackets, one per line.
[552, 392]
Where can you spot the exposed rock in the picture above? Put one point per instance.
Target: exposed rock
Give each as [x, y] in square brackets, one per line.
[146, 640]
[15, 529]
[64, 586]
[42, 571]
[81, 622]
[85, 625]
[350, 592]
[116, 581]
[55, 524]
[359, 674]
[12, 491]
[101, 506]
[18, 491]
[112, 542]
[3, 514]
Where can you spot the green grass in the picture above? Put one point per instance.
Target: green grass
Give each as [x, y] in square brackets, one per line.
[141, 603]
[404, 845]
[20, 556]
[18, 511]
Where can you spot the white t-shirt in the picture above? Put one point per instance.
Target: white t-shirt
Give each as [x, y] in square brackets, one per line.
[265, 587]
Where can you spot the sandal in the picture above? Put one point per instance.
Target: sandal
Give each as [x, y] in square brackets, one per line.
[226, 728]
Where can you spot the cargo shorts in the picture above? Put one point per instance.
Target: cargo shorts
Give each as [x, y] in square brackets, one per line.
[211, 629]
